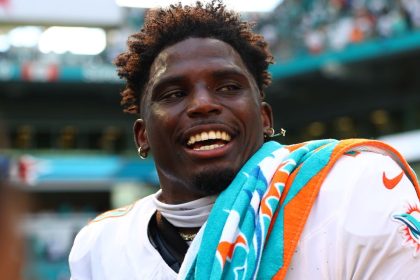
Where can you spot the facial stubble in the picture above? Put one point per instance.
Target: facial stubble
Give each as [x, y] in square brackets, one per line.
[211, 182]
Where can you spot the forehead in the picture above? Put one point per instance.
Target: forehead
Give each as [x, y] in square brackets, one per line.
[198, 54]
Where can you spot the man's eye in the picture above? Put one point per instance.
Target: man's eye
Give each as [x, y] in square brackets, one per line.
[173, 94]
[228, 88]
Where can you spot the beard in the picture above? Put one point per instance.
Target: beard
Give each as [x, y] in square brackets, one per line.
[211, 182]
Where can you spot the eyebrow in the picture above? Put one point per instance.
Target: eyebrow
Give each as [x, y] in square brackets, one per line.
[178, 79]
[228, 72]
[166, 81]
[169, 80]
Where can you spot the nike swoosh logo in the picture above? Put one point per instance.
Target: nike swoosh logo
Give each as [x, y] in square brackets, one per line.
[391, 183]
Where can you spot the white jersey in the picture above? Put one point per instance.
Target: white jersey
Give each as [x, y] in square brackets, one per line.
[115, 246]
[356, 230]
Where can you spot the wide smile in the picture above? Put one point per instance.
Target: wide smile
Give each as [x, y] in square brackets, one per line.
[208, 140]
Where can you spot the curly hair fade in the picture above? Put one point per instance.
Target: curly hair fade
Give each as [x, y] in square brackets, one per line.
[165, 27]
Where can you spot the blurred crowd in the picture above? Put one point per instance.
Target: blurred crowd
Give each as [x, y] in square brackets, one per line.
[295, 28]
[302, 27]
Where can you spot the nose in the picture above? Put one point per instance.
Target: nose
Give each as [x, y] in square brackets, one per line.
[202, 102]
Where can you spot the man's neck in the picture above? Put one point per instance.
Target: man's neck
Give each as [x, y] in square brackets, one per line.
[192, 214]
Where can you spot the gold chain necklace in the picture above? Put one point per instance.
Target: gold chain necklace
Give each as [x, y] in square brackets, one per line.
[187, 236]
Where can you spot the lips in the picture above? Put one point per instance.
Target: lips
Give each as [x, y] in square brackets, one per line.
[208, 140]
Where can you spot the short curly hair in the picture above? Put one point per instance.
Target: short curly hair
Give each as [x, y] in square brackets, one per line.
[165, 27]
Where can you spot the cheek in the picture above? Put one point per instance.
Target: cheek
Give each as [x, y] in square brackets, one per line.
[249, 110]
[161, 123]
[251, 115]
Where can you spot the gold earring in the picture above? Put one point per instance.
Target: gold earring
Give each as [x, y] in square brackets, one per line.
[269, 133]
[142, 154]
[272, 133]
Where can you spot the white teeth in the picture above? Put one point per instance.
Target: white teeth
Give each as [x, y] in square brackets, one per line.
[225, 136]
[206, 135]
[209, 147]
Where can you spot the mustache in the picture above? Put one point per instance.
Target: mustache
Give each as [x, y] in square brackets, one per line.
[206, 121]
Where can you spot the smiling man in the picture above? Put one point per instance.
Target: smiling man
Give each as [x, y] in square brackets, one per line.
[203, 117]
[233, 204]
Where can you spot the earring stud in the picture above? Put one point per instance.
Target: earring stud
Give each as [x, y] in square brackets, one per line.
[142, 153]
[271, 133]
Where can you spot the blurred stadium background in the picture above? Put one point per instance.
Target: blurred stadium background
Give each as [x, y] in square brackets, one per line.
[344, 68]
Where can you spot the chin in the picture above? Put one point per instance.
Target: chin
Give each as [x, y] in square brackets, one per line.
[211, 182]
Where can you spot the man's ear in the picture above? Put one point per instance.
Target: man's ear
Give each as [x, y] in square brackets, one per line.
[266, 116]
[140, 135]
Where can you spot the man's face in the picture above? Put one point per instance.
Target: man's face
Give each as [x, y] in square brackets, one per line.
[202, 117]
